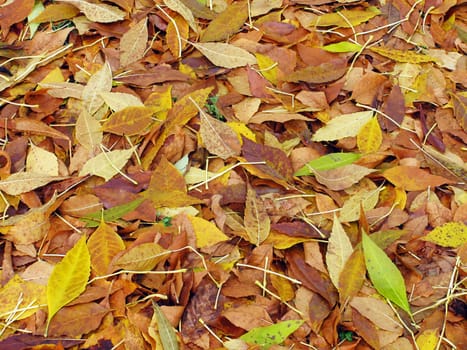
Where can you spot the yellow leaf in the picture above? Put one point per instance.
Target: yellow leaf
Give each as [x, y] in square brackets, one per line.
[206, 232]
[54, 76]
[130, 121]
[103, 245]
[428, 340]
[143, 257]
[345, 18]
[451, 234]
[370, 136]
[107, 164]
[401, 198]
[284, 287]
[69, 278]
[20, 294]
[88, 131]
[268, 67]
[40, 161]
[177, 35]
[402, 55]
[242, 129]
[283, 241]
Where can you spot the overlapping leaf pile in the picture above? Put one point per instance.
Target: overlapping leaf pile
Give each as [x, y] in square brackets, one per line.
[233, 174]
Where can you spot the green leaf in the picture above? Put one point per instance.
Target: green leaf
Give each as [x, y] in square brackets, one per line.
[166, 332]
[384, 275]
[112, 214]
[68, 278]
[271, 335]
[327, 162]
[343, 46]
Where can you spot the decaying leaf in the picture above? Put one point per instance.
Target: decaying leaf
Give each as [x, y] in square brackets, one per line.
[133, 43]
[226, 23]
[107, 164]
[339, 251]
[225, 55]
[98, 12]
[257, 221]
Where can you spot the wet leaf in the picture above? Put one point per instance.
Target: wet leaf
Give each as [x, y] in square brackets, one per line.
[69, 278]
[384, 275]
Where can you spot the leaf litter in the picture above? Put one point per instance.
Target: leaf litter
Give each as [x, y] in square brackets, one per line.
[233, 174]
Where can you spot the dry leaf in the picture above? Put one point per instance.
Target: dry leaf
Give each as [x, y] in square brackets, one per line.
[225, 55]
[339, 251]
[133, 43]
[218, 137]
[257, 221]
[343, 177]
[98, 12]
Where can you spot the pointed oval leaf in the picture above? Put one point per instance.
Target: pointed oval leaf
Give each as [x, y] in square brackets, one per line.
[107, 164]
[19, 183]
[143, 257]
[451, 234]
[184, 11]
[384, 275]
[339, 250]
[129, 121]
[327, 162]
[219, 138]
[370, 137]
[206, 232]
[133, 43]
[103, 245]
[335, 130]
[227, 22]
[101, 81]
[98, 12]
[267, 336]
[166, 331]
[69, 278]
[88, 131]
[411, 178]
[120, 100]
[352, 275]
[257, 221]
[225, 55]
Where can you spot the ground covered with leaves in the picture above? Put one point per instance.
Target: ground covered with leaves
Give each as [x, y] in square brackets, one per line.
[262, 174]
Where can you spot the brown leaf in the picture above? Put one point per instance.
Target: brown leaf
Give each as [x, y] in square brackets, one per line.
[352, 276]
[14, 12]
[218, 137]
[310, 277]
[76, 320]
[366, 329]
[133, 43]
[257, 222]
[342, 177]
[324, 73]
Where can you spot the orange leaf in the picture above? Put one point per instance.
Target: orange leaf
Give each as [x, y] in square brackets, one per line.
[129, 121]
[412, 178]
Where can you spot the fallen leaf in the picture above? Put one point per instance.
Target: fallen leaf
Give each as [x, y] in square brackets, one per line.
[107, 164]
[257, 221]
[129, 121]
[327, 162]
[68, 279]
[184, 11]
[218, 137]
[142, 257]
[352, 276]
[99, 82]
[19, 183]
[339, 251]
[412, 178]
[207, 234]
[88, 131]
[133, 43]
[451, 234]
[98, 12]
[334, 129]
[343, 177]
[225, 55]
[274, 334]
[345, 18]
[226, 23]
[384, 275]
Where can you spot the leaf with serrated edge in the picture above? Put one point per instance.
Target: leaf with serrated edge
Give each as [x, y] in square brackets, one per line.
[335, 130]
[133, 43]
[103, 245]
[385, 276]
[88, 131]
[69, 278]
[225, 55]
[108, 164]
[339, 251]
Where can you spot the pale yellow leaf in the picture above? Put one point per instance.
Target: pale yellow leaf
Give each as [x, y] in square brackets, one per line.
[19, 183]
[378, 312]
[88, 131]
[225, 55]
[107, 164]
[99, 82]
[40, 161]
[133, 43]
[98, 12]
[338, 252]
[120, 100]
[261, 7]
[185, 12]
[428, 339]
[342, 126]
[350, 211]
